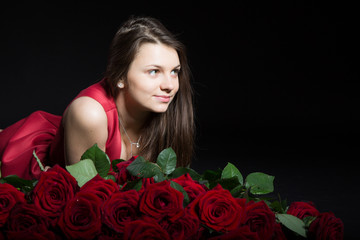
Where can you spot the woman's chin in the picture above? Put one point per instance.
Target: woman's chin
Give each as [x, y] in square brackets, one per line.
[160, 109]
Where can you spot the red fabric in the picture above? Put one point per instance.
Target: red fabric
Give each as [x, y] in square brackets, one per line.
[43, 132]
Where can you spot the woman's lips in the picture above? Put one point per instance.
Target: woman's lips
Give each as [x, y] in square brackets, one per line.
[163, 98]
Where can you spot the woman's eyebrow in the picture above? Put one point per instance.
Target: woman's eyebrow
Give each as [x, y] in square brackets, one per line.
[159, 66]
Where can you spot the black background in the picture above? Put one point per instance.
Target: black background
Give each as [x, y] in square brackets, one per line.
[276, 84]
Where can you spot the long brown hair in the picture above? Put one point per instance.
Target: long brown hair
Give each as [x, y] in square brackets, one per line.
[175, 127]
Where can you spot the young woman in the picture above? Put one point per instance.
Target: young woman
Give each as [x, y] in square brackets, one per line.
[142, 106]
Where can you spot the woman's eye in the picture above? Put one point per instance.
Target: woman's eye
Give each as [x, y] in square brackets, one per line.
[175, 72]
[153, 72]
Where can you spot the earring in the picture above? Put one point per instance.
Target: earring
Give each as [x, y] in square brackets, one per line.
[121, 85]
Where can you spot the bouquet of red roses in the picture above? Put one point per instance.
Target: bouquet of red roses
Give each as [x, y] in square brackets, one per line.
[137, 199]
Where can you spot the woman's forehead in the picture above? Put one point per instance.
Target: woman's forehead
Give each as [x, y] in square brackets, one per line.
[157, 54]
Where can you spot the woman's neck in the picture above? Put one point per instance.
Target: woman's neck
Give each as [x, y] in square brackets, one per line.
[131, 118]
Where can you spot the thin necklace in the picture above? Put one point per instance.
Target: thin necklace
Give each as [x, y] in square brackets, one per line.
[137, 144]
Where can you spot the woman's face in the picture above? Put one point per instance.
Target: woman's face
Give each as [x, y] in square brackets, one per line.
[152, 79]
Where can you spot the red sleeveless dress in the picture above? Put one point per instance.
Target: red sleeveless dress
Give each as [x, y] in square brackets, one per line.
[44, 133]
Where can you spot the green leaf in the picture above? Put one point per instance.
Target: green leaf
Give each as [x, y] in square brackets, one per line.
[231, 171]
[115, 162]
[293, 223]
[20, 183]
[167, 160]
[238, 191]
[227, 183]
[178, 187]
[142, 168]
[212, 175]
[136, 185]
[107, 177]
[159, 177]
[16, 181]
[277, 206]
[260, 183]
[308, 220]
[82, 171]
[38, 161]
[183, 170]
[100, 159]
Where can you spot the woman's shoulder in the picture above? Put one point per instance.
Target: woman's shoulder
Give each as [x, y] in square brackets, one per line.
[91, 108]
[85, 123]
[87, 112]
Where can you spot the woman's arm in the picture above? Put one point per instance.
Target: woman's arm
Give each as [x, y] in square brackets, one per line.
[85, 123]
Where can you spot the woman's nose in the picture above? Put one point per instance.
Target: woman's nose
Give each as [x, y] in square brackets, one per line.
[168, 83]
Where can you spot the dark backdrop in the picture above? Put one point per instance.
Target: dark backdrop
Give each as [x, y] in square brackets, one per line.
[276, 85]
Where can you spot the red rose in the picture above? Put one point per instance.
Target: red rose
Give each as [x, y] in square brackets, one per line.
[144, 229]
[9, 196]
[26, 217]
[120, 208]
[242, 233]
[326, 226]
[302, 209]
[41, 233]
[100, 187]
[160, 199]
[242, 202]
[217, 209]
[278, 233]
[260, 219]
[191, 187]
[108, 234]
[81, 218]
[54, 189]
[123, 174]
[145, 182]
[184, 227]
